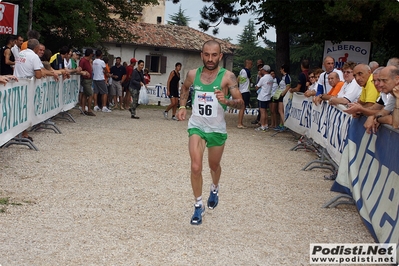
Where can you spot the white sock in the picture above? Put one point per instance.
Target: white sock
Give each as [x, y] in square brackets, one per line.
[214, 188]
[198, 200]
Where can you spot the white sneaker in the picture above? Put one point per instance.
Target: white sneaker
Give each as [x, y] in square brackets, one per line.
[106, 110]
[165, 114]
[96, 108]
[174, 118]
[86, 108]
[266, 128]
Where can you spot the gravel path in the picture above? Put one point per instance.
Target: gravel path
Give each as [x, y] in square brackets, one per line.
[111, 190]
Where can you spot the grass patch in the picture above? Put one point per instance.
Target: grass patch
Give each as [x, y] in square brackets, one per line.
[4, 201]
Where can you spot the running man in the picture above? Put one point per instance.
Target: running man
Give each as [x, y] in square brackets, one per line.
[213, 86]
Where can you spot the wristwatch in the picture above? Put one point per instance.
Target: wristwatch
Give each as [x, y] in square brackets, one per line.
[376, 118]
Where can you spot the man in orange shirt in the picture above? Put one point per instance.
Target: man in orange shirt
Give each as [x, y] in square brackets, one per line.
[336, 85]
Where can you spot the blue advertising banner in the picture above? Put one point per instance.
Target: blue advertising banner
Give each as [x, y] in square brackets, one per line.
[368, 172]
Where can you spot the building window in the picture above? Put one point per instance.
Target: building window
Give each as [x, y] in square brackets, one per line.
[155, 63]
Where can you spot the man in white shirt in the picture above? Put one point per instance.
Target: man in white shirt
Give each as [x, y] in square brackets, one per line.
[17, 46]
[389, 79]
[244, 82]
[28, 64]
[323, 87]
[264, 88]
[99, 85]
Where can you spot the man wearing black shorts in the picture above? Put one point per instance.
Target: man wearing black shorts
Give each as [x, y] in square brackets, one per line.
[173, 90]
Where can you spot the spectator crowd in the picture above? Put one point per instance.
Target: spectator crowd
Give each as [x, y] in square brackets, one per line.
[103, 88]
[364, 89]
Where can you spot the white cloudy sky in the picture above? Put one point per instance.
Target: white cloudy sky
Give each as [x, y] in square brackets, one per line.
[191, 9]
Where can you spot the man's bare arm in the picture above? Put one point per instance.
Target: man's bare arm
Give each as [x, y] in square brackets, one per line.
[340, 100]
[237, 101]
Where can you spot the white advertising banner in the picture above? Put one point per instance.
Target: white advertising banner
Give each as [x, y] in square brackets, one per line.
[16, 105]
[157, 94]
[327, 125]
[31, 101]
[358, 52]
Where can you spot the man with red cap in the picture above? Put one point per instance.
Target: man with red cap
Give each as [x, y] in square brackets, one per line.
[129, 71]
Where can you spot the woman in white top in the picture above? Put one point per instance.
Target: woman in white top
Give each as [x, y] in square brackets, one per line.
[313, 78]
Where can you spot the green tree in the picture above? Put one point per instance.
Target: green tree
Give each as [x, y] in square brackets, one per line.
[365, 20]
[250, 49]
[179, 18]
[79, 24]
[248, 36]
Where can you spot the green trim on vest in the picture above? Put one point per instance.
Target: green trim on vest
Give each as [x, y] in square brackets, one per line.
[216, 84]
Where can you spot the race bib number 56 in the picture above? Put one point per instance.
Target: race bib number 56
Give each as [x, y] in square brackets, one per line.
[205, 104]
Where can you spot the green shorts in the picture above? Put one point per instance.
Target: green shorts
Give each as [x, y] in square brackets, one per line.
[212, 139]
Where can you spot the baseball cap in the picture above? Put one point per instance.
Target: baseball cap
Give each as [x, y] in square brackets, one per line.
[133, 60]
[266, 68]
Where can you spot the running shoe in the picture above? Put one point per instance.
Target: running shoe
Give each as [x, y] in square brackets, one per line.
[262, 128]
[96, 108]
[106, 110]
[174, 118]
[280, 128]
[213, 199]
[165, 114]
[199, 211]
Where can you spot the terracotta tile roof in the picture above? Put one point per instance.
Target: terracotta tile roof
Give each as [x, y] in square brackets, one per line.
[171, 36]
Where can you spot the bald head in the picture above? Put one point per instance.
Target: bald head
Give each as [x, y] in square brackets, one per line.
[394, 61]
[363, 67]
[373, 65]
[333, 79]
[393, 71]
[362, 72]
[212, 43]
[389, 78]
